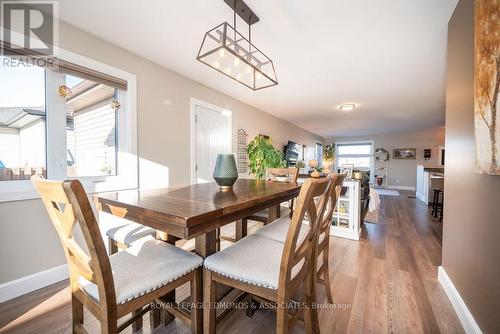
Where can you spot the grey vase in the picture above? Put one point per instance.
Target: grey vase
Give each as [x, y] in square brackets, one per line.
[225, 172]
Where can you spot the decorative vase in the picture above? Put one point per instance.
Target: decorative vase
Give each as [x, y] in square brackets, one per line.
[225, 172]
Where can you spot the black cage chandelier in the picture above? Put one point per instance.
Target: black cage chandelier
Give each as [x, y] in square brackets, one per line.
[227, 51]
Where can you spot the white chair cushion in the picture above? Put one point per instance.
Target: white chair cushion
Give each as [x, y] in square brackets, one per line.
[124, 231]
[144, 267]
[264, 214]
[278, 230]
[253, 259]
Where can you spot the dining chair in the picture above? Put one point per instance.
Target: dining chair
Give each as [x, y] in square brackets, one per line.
[323, 248]
[279, 175]
[277, 231]
[111, 287]
[274, 174]
[273, 270]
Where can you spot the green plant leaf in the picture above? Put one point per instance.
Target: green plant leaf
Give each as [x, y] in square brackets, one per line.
[263, 155]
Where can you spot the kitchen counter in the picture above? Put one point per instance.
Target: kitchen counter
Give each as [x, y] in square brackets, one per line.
[425, 175]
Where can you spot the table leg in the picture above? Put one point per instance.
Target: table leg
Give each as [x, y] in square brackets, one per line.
[274, 213]
[205, 244]
[241, 229]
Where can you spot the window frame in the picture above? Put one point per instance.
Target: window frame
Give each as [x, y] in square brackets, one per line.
[316, 157]
[361, 142]
[127, 174]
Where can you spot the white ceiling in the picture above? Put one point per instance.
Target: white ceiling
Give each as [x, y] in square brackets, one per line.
[387, 56]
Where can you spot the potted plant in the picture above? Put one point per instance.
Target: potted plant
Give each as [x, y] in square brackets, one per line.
[263, 155]
[329, 156]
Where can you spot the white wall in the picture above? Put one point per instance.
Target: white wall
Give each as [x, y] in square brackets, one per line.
[403, 173]
[28, 242]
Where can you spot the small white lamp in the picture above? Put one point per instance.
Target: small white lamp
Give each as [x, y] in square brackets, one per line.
[313, 163]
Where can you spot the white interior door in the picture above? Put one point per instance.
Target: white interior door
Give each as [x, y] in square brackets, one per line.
[212, 136]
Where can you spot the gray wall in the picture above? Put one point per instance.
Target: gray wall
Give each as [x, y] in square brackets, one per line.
[28, 242]
[403, 173]
[471, 227]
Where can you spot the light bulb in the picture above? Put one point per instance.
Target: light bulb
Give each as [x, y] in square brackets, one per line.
[249, 69]
[216, 64]
[259, 75]
[228, 70]
[236, 62]
[221, 53]
[238, 76]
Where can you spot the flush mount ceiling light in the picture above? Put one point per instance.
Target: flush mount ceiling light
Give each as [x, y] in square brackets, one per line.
[347, 107]
[224, 49]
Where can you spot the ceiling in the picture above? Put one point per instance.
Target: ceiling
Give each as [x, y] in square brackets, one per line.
[387, 56]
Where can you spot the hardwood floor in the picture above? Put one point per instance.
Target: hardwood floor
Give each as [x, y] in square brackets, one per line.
[386, 282]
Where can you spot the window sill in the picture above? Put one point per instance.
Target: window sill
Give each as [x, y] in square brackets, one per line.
[32, 194]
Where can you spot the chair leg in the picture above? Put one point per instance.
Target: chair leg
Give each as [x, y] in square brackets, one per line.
[210, 299]
[326, 276]
[77, 311]
[137, 325]
[154, 318]
[196, 302]
[311, 313]
[281, 319]
[434, 202]
[113, 246]
[109, 324]
[441, 208]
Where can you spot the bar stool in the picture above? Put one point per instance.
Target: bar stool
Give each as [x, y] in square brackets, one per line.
[441, 206]
[435, 201]
[437, 186]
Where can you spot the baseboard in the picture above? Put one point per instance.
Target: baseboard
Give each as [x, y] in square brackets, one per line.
[463, 313]
[23, 285]
[401, 188]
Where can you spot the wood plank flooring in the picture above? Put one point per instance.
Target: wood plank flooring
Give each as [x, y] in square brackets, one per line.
[386, 282]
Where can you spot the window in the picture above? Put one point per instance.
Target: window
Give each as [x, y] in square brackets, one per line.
[88, 133]
[318, 153]
[22, 122]
[357, 154]
[90, 128]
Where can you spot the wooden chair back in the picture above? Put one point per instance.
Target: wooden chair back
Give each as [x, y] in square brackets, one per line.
[291, 173]
[67, 204]
[326, 222]
[312, 200]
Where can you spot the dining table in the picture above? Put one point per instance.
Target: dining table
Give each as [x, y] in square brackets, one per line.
[197, 211]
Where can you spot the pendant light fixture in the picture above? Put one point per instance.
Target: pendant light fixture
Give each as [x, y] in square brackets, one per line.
[227, 51]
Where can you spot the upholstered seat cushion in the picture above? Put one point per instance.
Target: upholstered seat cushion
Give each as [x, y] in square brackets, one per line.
[254, 259]
[278, 230]
[264, 214]
[124, 231]
[144, 267]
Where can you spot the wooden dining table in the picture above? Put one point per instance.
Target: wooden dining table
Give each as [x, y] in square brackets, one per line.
[197, 211]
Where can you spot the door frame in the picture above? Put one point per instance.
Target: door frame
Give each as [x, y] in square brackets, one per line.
[196, 102]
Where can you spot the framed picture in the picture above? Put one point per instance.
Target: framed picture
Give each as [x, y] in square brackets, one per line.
[486, 89]
[404, 153]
